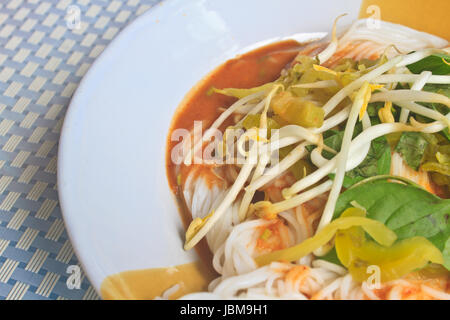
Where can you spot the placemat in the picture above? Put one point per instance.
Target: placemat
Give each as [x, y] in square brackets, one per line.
[45, 49]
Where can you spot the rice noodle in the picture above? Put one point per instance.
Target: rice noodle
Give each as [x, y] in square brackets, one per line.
[227, 201]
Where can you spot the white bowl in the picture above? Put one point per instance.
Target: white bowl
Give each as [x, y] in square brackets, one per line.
[113, 189]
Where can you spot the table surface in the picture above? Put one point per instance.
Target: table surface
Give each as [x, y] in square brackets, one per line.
[46, 46]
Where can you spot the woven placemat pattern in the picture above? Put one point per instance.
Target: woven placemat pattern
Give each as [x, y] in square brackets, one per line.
[46, 47]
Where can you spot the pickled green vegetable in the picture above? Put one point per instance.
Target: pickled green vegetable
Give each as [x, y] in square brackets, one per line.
[241, 93]
[436, 167]
[280, 102]
[437, 159]
[299, 169]
[297, 111]
[346, 64]
[254, 120]
[440, 179]
[305, 114]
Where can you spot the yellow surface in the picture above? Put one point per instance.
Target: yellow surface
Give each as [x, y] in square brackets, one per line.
[150, 283]
[430, 16]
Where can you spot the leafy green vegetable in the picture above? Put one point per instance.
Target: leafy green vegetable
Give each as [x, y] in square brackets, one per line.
[411, 147]
[434, 63]
[377, 161]
[373, 108]
[443, 89]
[332, 257]
[405, 209]
[334, 141]
[446, 133]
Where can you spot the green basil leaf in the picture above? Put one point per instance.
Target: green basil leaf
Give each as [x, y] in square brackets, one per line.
[411, 147]
[348, 181]
[377, 161]
[333, 139]
[405, 209]
[443, 89]
[433, 63]
[373, 108]
[334, 142]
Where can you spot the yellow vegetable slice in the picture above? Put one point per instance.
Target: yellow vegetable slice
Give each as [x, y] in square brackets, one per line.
[242, 93]
[393, 262]
[357, 253]
[378, 231]
[346, 238]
